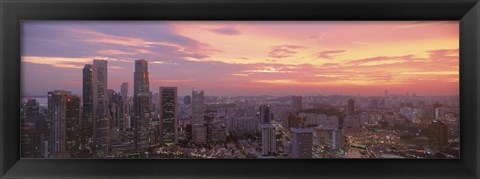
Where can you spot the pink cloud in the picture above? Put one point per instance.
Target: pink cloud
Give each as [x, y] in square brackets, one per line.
[329, 54]
[283, 51]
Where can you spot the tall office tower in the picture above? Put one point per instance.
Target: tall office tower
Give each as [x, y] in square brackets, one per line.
[28, 142]
[87, 94]
[56, 112]
[40, 132]
[101, 115]
[269, 140]
[351, 107]
[302, 142]
[265, 114]
[116, 109]
[72, 125]
[125, 104]
[64, 112]
[199, 132]
[187, 100]
[437, 134]
[32, 129]
[386, 93]
[124, 90]
[141, 105]
[268, 131]
[297, 104]
[168, 115]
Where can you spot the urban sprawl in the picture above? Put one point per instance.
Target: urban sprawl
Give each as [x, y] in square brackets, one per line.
[103, 123]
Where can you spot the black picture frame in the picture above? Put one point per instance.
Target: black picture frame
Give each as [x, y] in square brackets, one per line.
[14, 11]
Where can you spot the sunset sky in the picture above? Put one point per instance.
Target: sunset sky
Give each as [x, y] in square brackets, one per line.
[230, 58]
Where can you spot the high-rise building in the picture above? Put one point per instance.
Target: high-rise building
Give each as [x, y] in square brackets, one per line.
[115, 103]
[64, 112]
[269, 140]
[125, 105]
[72, 125]
[386, 93]
[141, 105]
[302, 142]
[56, 112]
[265, 114]
[351, 107]
[101, 115]
[28, 143]
[437, 134]
[36, 131]
[32, 125]
[297, 104]
[124, 90]
[199, 132]
[87, 105]
[168, 115]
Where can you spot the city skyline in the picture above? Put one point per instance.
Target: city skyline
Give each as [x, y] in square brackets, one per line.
[395, 96]
[248, 58]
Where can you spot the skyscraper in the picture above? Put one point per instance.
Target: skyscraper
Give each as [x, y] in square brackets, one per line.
[101, 115]
[297, 103]
[269, 140]
[32, 125]
[141, 105]
[124, 90]
[386, 93]
[265, 114]
[302, 142]
[168, 115]
[351, 107]
[87, 105]
[199, 132]
[72, 125]
[437, 134]
[64, 112]
[116, 109]
[125, 105]
[28, 141]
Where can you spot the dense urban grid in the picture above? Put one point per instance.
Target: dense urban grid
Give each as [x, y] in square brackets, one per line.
[103, 123]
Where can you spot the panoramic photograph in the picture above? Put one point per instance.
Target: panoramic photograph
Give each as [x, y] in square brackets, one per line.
[240, 89]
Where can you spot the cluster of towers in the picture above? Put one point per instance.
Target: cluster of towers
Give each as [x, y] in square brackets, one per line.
[89, 123]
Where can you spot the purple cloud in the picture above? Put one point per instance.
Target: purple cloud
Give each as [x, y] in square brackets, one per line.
[125, 41]
[226, 31]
